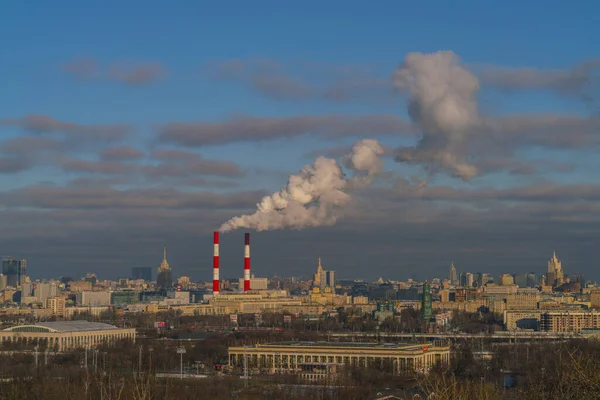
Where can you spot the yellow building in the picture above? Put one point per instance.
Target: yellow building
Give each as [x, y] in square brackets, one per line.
[521, 319]
[68, 334]
[522, 301]
[595, 298]
[290, 356]
[57, 304]
[506, 280]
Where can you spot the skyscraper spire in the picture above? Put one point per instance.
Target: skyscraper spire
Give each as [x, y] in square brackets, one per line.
[165, 254]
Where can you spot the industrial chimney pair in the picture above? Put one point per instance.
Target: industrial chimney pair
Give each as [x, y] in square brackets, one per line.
[216, 282]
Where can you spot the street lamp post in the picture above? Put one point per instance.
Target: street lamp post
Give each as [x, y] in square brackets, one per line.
[150, 350]
[181, 352]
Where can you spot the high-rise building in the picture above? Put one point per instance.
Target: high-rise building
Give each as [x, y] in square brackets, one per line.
[144, 273]
[319, 277]
[22, 271]
[521, 280]
[184, 282]
[453, 275]
[90, 277]
[57, 304]
[469, 279]
[3, 281]
[11, 269]
[532, 280]
[426, 303]
[323, 278]
[331, 279]
[506, 280]
[555, 275]
[42, 291]
[164, 277]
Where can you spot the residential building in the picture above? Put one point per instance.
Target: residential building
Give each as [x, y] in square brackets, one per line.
[57, 304]
[93, 298]
[43, 291]
[569, 321]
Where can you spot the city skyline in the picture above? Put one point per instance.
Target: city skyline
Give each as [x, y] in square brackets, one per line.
[137, 132]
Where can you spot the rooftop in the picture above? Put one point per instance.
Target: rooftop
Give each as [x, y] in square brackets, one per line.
[364, 345]
[63, 326]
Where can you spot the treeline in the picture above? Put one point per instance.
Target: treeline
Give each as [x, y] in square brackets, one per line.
[565, 370]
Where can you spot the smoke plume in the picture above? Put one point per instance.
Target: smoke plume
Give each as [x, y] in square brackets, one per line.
[442, 102]
[314, 196]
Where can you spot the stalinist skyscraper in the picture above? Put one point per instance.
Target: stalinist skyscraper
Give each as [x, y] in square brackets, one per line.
[164, 277]
[555, 275]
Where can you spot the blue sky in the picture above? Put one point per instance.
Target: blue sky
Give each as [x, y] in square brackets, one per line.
[312, 43]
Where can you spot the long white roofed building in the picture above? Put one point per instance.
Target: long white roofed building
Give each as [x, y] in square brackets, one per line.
[66, 335]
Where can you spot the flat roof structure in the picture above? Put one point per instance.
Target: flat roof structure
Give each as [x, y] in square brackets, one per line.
[348, 345]
[288, 356]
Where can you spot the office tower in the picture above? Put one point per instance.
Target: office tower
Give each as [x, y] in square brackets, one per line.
[469, 280]
[331, 279]
[144, 273]
[164, 278]
[452, 275]
[532, 280]
[22, 271]
[426, 303]
[521, 280]
[91, 278]
[3, 281]
[554, 276]
[10, 268]
[486, 278]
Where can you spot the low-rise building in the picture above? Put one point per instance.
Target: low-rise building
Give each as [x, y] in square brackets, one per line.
[68, 334]
[287, 357]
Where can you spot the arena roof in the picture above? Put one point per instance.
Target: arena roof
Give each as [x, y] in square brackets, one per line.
[62, 326]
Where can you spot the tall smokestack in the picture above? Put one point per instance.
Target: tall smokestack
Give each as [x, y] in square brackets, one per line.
[247, 263]
[216, 264]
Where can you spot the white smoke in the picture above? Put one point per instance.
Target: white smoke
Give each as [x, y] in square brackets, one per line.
[314, 196]
[365, 160]
[443, 104]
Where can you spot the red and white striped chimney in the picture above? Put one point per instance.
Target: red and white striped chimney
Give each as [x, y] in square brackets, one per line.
[216, 264]
[247, 263]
